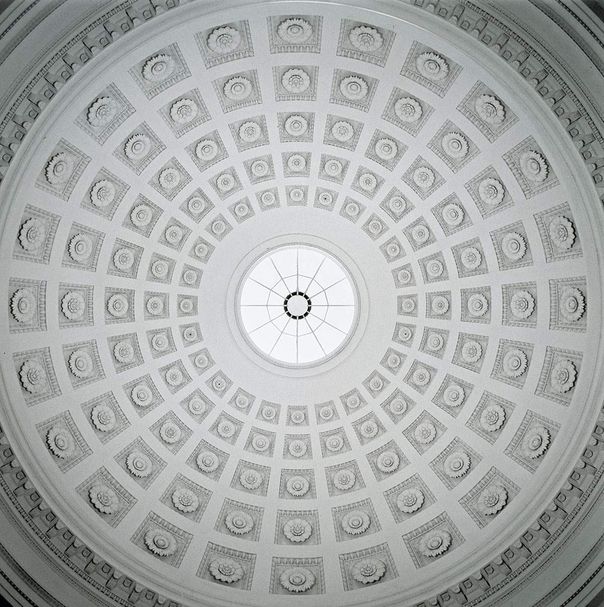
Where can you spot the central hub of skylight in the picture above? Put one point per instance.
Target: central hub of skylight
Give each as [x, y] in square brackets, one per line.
[297, 305]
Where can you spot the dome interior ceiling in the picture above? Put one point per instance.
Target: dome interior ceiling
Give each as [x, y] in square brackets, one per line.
[394, 453]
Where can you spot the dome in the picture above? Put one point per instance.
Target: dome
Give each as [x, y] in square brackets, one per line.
[303, 301]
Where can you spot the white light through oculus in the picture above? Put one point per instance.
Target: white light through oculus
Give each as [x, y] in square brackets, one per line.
[297, 305]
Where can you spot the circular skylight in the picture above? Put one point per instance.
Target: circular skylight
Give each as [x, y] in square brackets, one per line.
[297, 305]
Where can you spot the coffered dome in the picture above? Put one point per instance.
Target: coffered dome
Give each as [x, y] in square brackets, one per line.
[303, 301]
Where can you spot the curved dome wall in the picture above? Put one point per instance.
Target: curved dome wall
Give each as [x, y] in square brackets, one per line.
[303, 302]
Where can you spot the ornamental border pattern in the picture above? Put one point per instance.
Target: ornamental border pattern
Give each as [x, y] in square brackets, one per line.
[561, 82]
[468, 17]
[537, 78]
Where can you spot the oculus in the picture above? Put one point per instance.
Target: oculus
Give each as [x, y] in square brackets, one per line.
[297, 305]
